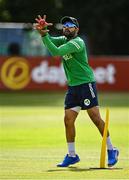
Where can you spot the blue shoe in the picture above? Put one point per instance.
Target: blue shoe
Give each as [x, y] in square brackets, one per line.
[68, 160]
[112, 157]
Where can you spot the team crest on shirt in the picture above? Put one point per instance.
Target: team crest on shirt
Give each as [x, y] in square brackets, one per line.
[67, 56]
[87, 102]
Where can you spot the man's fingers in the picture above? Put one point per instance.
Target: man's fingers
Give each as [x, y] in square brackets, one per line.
[45, 31]
[46, 24]
[44, 17]
[49, 24]
[37, 27]
[36, 19]
[39, 17]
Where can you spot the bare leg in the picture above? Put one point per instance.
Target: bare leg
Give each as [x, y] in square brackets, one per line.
[71, 157]
[94, 115]
[69, 120]
[97, 120]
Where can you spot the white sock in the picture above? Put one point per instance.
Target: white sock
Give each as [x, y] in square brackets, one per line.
[109, 144]
[71, 148]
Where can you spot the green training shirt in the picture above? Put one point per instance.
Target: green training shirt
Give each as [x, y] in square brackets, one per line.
[75, 59]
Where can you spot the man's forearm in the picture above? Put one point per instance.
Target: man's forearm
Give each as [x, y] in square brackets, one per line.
[50, 45]
[62, 50]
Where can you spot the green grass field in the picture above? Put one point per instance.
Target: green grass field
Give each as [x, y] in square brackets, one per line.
[32, 138]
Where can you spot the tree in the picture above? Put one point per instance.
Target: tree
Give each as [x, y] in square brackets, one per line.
[104, 22]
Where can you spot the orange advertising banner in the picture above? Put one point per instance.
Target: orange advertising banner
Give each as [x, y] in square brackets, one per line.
[46, 73]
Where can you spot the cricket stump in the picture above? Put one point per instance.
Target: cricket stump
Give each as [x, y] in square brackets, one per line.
[103, 146]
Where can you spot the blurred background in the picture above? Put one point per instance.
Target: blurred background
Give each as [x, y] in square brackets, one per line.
[104, 24]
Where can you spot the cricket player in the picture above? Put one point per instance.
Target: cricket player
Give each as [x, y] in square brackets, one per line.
[82, 92]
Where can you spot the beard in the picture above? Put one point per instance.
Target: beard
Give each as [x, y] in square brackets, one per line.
[69, 34]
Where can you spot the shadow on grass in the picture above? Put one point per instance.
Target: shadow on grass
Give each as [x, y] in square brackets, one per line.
[77, 169]
[57, 99]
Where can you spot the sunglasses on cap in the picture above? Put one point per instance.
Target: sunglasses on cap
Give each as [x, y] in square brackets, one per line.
[69, 25]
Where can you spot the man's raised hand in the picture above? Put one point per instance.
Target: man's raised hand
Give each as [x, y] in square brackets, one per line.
[41, 22]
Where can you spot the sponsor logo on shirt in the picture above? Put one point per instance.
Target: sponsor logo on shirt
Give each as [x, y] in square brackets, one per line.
[67, 57]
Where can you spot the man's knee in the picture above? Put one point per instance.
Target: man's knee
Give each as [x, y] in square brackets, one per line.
[69, 118]
[95, 117]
